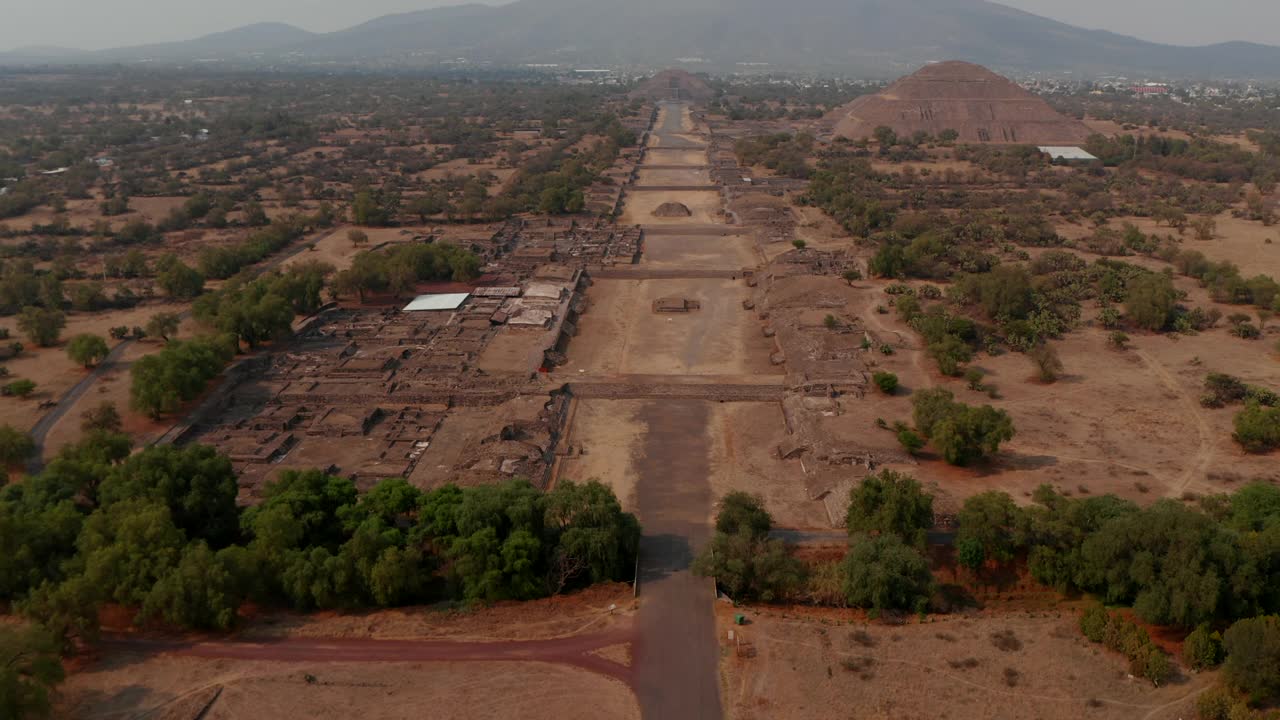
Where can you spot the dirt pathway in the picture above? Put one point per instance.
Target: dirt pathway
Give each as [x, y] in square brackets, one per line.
[1203, 457]
[579, 650]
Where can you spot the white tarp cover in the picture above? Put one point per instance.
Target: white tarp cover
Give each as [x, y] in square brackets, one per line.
[439, 301]
[1058, 152]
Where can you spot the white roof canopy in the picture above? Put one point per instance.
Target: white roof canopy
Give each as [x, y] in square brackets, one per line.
[440, 301]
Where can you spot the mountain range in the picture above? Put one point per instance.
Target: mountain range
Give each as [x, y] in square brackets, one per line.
[873, 37]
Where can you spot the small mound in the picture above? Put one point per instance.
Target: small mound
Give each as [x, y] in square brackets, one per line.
[672, 210]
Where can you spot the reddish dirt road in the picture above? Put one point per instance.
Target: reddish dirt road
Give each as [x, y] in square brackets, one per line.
[577, 650]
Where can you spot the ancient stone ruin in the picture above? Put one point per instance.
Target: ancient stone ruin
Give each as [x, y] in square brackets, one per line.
[672, 210]
[980, 105]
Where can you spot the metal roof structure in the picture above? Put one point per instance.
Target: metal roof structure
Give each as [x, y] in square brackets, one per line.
[439, 301]
[1061, 152]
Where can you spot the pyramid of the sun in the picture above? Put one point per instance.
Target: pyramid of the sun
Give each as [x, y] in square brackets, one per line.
[674, 85]
[970, 99]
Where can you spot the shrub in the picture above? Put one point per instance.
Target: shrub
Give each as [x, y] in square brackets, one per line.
[1093, 623]
[950, 353]
[87, 349]
[19, 388]
[973, 379]
[910, 441]
[1253, 657]
[1046, 362]
[887, 382]
[1257, 428]
[42, 326]
[1202, 648]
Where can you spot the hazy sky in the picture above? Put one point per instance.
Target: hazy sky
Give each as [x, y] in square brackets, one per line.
[93, 24]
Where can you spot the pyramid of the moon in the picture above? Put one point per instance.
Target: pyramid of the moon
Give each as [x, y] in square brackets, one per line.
[970, 99]
[675, 85]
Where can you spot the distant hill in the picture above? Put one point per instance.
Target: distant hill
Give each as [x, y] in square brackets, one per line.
[885, 37]
[250, 39]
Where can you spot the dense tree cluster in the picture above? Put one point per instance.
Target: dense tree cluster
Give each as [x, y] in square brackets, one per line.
[160, 531]
[1174, 564]
[223, 262]
[262, 309]
[1200, 159]
[743, 559]
[162, 382]
[961, 433]
[400, 268]
[30, 669]
[783, 153]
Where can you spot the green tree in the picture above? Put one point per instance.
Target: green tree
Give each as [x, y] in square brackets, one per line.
[42, 326]
[890, 503]
[992, 521]
[881, 573]
[87, 349]
[163, 325]
[750, 567]
[102, 418]
[198, 592]
[741, 512]
[1253, 657]
[1202, 649]
[30, 669]
[1150, 300]
[179, 280]
[595, 537]
[15, 446]
[196, 483]
[961, 433]
[950, 353]
[161, 382]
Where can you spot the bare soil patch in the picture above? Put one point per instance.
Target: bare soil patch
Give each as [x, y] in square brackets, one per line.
[640, 208]
[679, 252]
[587, 610]
[674, 156]
[136, 686]
[744, 439]
[671, 177]
[619, 333]
[606, 438]
[948, 666]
